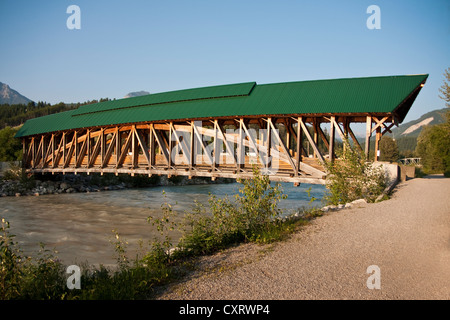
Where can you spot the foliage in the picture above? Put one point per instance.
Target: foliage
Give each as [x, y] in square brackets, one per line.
[445, 88]
[10, 148]
[351, 178]
[250, 217]
[388, 149]
[433, 146]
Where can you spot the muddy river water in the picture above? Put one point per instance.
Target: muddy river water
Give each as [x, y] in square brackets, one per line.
[79, 225]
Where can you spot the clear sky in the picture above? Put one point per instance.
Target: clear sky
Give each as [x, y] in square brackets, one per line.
[158, 46]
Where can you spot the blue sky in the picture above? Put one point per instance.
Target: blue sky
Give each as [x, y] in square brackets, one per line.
[158, 46]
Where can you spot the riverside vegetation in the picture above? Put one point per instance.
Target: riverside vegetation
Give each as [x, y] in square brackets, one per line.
[251, 216]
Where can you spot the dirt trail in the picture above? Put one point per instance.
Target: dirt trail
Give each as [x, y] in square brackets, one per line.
[407, 237]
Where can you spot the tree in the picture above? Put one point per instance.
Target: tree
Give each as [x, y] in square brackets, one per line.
[445, 88]
[388, 149]
[10, 147]
[433, 146]
[433, 143]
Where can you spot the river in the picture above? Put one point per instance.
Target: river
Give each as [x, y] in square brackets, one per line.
[79, 225]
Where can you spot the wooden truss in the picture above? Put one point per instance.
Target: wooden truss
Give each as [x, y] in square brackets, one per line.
[209, 148]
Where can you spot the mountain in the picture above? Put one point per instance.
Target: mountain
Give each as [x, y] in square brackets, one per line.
[10, 96]
[137, 94]
[413, 128]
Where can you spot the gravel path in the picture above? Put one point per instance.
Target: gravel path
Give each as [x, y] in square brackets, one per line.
[407, 237]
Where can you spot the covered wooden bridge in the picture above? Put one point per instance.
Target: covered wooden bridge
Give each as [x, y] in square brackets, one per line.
[220, 131]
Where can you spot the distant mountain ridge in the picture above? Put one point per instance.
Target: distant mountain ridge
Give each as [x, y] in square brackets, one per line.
[413, 128]
[11, 96]
[137, 94]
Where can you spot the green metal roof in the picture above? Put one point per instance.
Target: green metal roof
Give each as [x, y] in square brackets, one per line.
[389, 94]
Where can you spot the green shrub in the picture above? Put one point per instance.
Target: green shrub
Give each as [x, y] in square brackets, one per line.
[250, 217]
[351, 177]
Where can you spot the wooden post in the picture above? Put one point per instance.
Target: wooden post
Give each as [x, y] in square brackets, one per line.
[316, 135]
[377, 143]
[331, 148]
[170, 146]
[240, 145]
[216, 151]
[151, 146]
[193, 152]
[368, 135]
[298, 154]
[269, 143]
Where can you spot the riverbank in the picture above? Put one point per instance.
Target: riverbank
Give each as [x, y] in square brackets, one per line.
[406, 237]
[71, 183]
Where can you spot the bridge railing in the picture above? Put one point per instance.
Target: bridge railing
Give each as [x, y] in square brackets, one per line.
[410, 161]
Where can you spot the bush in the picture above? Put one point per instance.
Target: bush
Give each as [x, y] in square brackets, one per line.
[250, 217]
[351, 178]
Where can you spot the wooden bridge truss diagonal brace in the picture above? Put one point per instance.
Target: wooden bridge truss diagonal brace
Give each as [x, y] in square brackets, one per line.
[160, 142]
[206, 151]
[283, 146]
[310, 139]
[228, 148]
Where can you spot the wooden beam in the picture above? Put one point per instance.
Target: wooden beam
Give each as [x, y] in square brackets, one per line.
[206, 151]
[355, 140]
[95, 152]
[143, 146]
[228, 147]
[283, 146]
[112, 145]
[70, 152]
[269, 142]
[368, 135]
[298, 154]
[161, 145]
[311, 141]
[380, 123]
[331, 148]
[377, 142]
[124, 151]
[82, 151]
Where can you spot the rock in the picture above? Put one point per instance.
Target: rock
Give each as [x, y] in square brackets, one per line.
[36, 194]
[348, 205]
[359, 201]
[70, 190]
[64, 186]
[340, 206]
[17, 194]
[325, 209]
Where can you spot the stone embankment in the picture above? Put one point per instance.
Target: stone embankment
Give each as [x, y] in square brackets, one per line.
[70, 183]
